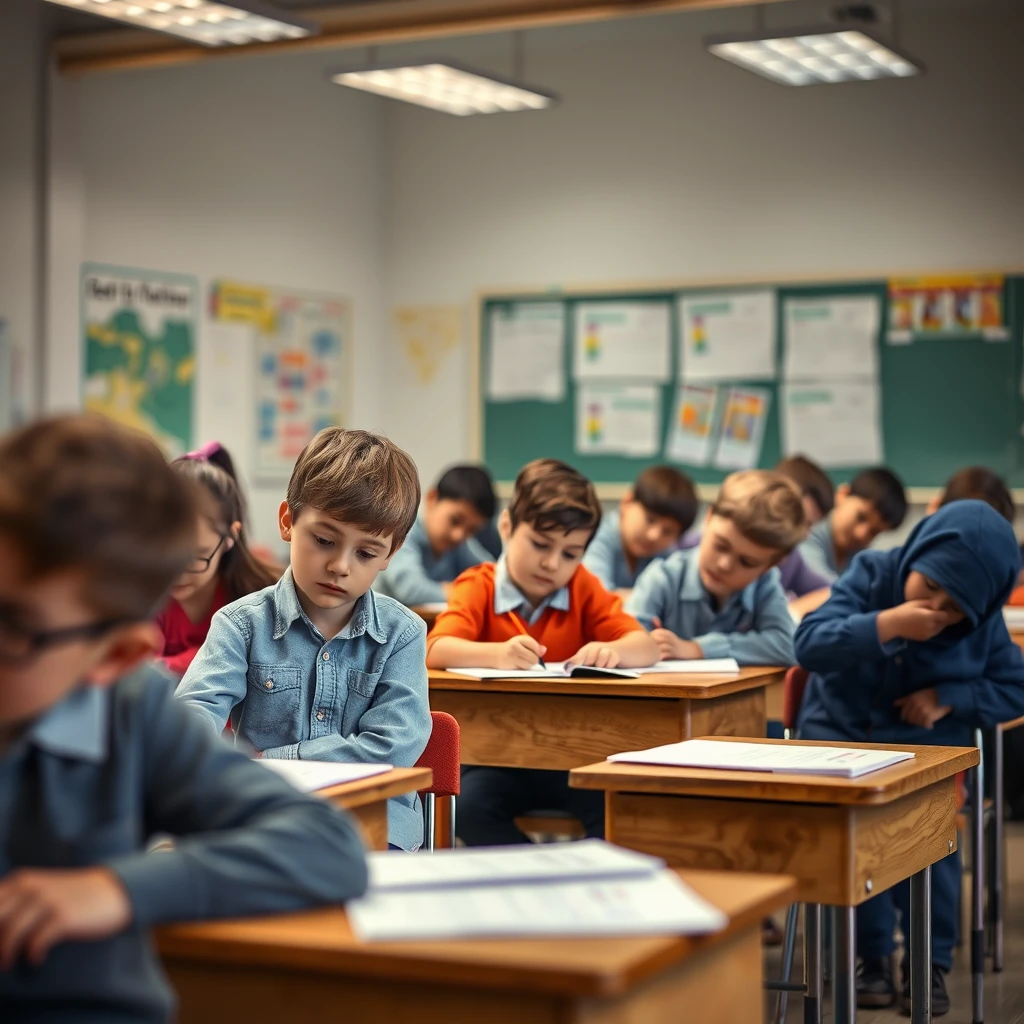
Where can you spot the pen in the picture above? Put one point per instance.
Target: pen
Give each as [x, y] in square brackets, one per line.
[521, 626]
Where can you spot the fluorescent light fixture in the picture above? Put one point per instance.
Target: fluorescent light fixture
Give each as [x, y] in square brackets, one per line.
[202, 21]
[443, 86]
[815, 56]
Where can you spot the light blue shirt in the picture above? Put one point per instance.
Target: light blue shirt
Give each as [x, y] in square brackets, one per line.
[753, 626]
[509, 598]
[818, 551]
[360, 696]
[415, 574]
[606, 557]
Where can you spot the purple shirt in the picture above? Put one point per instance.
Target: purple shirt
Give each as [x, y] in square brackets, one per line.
[796, 577]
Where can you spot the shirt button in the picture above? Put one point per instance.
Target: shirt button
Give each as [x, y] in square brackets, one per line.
[319, 716]
[327, 655]
[269, 684]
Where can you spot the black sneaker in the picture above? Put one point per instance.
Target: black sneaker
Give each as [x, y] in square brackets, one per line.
[940, 997]
[875, 988]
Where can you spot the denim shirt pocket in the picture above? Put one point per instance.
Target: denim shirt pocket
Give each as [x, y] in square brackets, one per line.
[361, 687]
[272, 709]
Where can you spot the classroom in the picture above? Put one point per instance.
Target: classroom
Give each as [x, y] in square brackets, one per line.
[576, 445]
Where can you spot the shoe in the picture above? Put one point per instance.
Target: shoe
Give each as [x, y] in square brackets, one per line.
[940, 997]
[771, 934]
[875, 987]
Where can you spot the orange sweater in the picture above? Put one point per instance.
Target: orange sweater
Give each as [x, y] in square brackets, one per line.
[1017, 597]
[593, 614]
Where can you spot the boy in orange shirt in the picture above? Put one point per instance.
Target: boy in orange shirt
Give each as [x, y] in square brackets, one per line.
[537, 602]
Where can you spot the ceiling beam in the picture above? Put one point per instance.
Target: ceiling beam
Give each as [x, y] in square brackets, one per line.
[389, 21]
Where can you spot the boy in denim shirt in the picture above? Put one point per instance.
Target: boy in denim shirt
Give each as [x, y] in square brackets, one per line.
[318, 667]
[96, 757]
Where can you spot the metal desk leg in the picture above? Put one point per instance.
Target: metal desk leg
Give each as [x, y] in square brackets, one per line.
[997, 907]
[978, 887]
[844, 970]
[921, 947]
[812, 963]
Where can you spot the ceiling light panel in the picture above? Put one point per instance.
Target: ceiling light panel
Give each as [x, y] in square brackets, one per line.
[447, 88]
[202, 21]
[816, 57]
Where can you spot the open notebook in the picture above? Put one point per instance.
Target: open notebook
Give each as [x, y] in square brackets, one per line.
[563, 669]
[790, 758]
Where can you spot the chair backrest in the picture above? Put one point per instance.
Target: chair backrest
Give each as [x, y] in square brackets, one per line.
[793, 695]
[442, 755]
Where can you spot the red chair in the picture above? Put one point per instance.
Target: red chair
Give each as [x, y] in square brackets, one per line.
[442, 758]
[792, 698]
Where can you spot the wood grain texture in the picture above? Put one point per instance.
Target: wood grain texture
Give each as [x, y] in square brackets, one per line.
[928, 766]
[396, 782]
[734, 714]
[373, 820]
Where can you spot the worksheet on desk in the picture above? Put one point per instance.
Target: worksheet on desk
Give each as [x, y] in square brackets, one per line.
[309, 776]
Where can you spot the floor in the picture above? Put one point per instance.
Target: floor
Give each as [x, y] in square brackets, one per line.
[1004, 992]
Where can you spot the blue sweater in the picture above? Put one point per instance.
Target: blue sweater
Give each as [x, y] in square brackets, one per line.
[976, 669]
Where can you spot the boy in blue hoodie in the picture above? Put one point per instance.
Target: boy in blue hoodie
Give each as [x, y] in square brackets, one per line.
[912, 648]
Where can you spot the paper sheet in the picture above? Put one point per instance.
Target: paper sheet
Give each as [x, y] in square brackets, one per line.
[718, 666]
[743, 422]
[1014, 618]
[727, 336]
[618, 419]
[551, 670]
[788, 757]
[566, 862]
[527, 352]
[835, 423]
[691, 432]
[309, 776]
[832, 339]
[617, 340]
[654, 904]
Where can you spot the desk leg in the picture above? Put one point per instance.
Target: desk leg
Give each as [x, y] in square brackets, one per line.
[998, 855]
[978, 887]
[812, 963]
[844, 965]
[921, 947]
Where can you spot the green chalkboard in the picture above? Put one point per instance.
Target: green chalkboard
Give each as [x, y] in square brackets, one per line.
[946, 402]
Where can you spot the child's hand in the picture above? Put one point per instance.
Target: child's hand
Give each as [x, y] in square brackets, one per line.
[672, 647]
[913, 620]
[596, 654]
[521, 652]
[40, 908]
[922, 708]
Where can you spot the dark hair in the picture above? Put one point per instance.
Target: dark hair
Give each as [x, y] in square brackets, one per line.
[359, 478]
[884, 489]
[812, 480]
[469, 483]
[239, 571]
[665, 491]
[82, 493]
[981, 483]
[551, 495]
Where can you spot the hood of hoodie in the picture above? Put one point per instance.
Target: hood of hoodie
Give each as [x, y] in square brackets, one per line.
[969, 550]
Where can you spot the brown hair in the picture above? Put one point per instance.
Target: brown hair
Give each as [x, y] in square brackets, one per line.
[82, 493]
[665, 491]
[982, 484]
[812, 480]
[239, 570]
[551, 495]
[765, 506]
[359, 478]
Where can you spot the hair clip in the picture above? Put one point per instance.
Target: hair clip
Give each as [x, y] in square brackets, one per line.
[205, 453]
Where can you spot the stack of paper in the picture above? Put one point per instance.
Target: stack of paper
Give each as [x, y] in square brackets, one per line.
[590, 888]
[309, 776]
[561, 669]
[719, 666]
[791, 758]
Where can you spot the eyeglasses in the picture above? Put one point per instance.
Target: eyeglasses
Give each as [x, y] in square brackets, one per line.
[19, 644]
[201, 564]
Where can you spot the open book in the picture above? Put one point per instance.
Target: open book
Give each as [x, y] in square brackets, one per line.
[565, 669]
[787, 757]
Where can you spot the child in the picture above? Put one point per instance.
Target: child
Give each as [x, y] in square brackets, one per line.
[225, 570]
[96, 757]
[442, 543]
[805, 588]
[980, 483]
[871, 504]
[537, 602]
[723, 599]
[911, 648]
[650, 522]
[318, 667]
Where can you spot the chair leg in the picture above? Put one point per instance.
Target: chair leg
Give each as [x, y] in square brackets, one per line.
[451, 830]
[978, 886]
[788, 945]
[996, 908]
[428, 821]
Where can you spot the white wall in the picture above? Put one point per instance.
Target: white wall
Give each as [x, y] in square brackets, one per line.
[662, 162]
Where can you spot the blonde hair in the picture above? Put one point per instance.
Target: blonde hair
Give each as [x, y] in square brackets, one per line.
[765, 506]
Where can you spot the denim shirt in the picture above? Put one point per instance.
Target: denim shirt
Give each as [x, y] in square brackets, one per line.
[289, 693]
[606, 557]
[753, 626]
[92, 781]
[415, 574]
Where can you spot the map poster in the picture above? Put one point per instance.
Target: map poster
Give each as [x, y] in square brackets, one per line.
[303, 352]
[139, 333]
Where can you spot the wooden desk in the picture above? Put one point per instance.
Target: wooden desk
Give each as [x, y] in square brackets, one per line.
[308, 966]
[366, 799]
[566, 723]
[844, 840]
